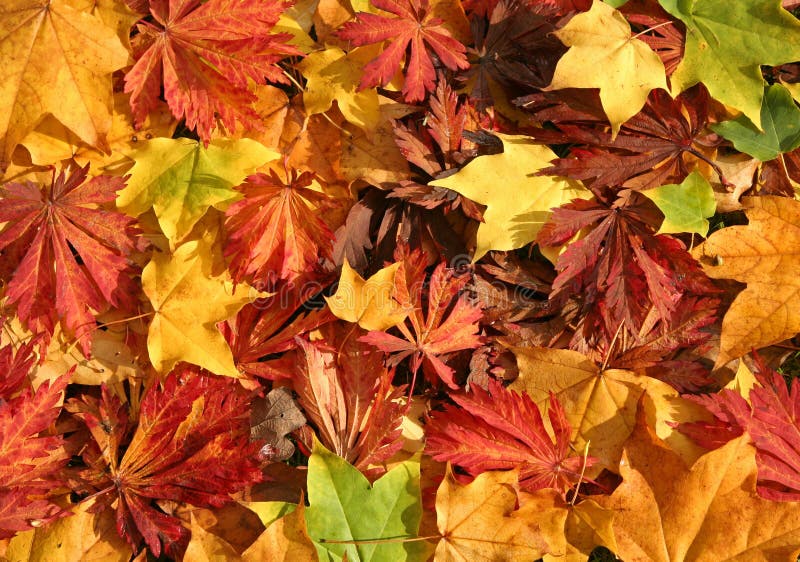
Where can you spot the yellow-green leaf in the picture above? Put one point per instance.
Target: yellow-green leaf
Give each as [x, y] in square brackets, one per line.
[686, 205]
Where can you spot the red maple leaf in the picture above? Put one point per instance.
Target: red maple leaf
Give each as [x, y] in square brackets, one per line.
[203, 54]
[14, 368]
[191, 444]
[621, 268]
[346, 393]
[276, 232]
[414, 26]
[29, 463]
[450, 324]
[500, 430]
[773, 421]
[74, 252]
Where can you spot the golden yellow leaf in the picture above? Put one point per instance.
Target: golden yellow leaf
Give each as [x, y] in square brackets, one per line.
[765, 254]
[80, 536]
[517, 202]
[478, 522]
[332, 75]
[207, 547]
[601, 405]
[284, 540]
[188, 302]
[669, 512]
[603, 55]
[370, 302]
[57, 60]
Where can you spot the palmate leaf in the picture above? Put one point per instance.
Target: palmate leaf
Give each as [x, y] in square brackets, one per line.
[414, 27]
[203, 54]
[44, 224]
[191, 444]
[501, 429]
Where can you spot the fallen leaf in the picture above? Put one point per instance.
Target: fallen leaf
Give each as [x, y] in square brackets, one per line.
[686, 206]
[207, 547]
[272, 418]
[603, 55]
[285, 540]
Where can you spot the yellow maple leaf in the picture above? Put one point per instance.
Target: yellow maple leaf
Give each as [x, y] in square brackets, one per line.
[370, 302]
[603, 55]
[188, 302]
[332, 75]
[765, 254]
[57, 60]
[517, 202]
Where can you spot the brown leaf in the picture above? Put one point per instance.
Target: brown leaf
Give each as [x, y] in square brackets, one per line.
[271, 419]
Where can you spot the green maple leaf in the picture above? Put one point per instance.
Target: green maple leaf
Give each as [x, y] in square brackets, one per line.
[180, 179]
[345, 507]
[686, 205]
[726, 42]
[780, 119]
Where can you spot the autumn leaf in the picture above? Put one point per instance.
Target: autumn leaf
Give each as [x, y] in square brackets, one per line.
[191, 444]
[501, 429]
[369, 303]
[686, 206]
[285, 540]
[480, 522]
[180, 179]
[59, 61]
[188, 300]
[603, 55]
[726, 44]
[204, 55]
[30, 464]
[674, 512]
[780, 119]
[760, 254]
[416, 29]
[450, 324]
[44, 224]
[389, 508]
[517, 203]
[15, 366]
[276, 232]
[272, 418]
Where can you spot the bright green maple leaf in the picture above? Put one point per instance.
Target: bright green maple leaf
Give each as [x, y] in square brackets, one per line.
[517, 202]
[686, 205]
[180, 179]
[345, 507]
[780, 119]
[726, 42]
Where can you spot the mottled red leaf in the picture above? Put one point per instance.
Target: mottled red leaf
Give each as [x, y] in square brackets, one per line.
[14, 367]
[191, 444]
[29, 463]
[414, 29]
[346, 393]
[621, 268]
[276, 232]
[75, 252]
[449, 325]
[500, 430]
[203, 54]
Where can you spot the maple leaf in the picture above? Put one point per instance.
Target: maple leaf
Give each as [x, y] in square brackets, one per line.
[349, 398]
[59, 61]
[275, 232]
[501, 429]
[74, 251]
[191, 444]
[679, 512]
[415, 28]
[603, 55]
[726, 47]
[204, 54]
[437, 332]
[649, 150]
[14, 368]
[30, 464]
[686, 206]
[760, 254]
[620, 267]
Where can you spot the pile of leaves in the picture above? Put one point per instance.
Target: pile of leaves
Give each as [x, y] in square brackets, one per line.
[399, 280]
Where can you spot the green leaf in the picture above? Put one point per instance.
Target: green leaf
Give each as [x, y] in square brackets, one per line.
[780, 119]
[345, 507]
[517, 202]
[726, 42]
[180, 179]
[686, 206]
